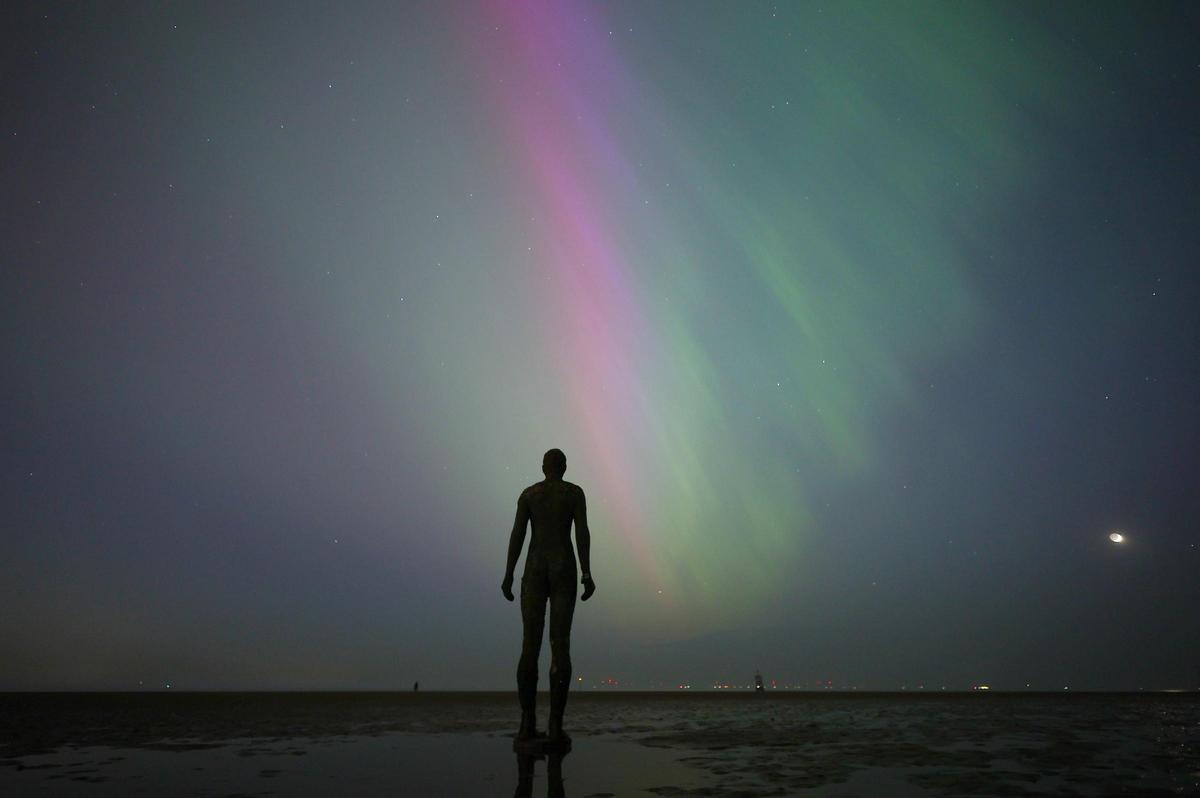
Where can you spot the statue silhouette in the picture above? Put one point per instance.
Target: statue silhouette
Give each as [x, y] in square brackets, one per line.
[551, 505]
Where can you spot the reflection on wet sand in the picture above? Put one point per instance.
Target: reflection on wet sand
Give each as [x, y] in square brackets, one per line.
[112, 745]
[554, 780]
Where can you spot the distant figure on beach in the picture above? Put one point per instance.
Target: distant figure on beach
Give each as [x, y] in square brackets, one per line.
[551, 505]
[416, 686]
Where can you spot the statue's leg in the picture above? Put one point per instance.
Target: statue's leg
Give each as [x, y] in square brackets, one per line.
[533, 620]
[562, 610]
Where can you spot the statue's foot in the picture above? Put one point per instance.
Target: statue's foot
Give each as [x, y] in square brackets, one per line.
[557, 736]
[528, 730]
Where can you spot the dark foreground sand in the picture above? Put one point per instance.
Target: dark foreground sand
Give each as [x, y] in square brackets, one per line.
[664, 744]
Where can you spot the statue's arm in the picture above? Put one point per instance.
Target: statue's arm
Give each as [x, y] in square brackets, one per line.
[583, 540]
[515, 541]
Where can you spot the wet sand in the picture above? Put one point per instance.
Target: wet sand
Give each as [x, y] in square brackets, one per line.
[664, 744]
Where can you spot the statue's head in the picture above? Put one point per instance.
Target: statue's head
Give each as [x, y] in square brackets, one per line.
[554, 463]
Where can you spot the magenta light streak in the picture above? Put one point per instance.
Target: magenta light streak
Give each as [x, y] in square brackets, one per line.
[554, 85]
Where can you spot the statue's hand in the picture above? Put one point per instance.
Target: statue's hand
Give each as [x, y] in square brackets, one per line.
[506, 588]
[589, 587]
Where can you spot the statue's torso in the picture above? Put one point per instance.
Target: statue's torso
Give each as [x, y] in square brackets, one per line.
[551, 511]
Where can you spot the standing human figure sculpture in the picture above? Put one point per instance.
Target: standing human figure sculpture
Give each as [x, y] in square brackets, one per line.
[550, 507]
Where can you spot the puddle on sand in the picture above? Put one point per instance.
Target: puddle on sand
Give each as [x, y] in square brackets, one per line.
[397, 764]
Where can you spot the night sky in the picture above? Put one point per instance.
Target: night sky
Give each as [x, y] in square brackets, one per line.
[862, 326]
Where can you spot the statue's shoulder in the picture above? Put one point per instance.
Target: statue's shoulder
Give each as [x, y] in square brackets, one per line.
[571, 486]
[532, 490]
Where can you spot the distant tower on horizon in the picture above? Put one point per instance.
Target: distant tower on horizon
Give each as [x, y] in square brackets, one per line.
[758, 683]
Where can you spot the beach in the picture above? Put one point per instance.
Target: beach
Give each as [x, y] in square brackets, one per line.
[641, 744]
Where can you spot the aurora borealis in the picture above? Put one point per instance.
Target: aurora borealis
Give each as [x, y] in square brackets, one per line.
[862, 325]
